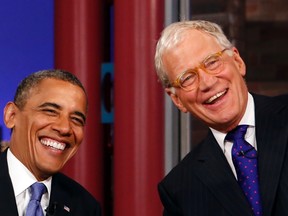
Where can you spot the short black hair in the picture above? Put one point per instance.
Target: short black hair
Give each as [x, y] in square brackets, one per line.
[34, 79]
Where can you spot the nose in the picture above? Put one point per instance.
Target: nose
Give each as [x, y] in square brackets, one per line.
[206, 80]
[63, 126]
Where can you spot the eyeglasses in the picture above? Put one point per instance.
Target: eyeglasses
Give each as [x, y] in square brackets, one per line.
[189, 79]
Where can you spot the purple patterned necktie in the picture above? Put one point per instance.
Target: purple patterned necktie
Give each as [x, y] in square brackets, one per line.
[244, 158]
[34, 207]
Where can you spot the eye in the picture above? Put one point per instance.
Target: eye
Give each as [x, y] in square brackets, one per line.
[50, 112]
[212, 63]
[78, 121]
[188, 78]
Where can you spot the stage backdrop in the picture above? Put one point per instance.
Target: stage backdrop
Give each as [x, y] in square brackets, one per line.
[26, 45]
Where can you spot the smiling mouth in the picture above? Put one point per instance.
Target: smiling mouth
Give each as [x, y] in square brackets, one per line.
[214, 98]
[53, 144]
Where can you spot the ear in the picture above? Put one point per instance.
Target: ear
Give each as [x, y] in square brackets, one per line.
[176, 100]
[240, 64]
[9, 114]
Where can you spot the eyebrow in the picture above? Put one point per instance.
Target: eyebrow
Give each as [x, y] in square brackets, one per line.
[57, 106]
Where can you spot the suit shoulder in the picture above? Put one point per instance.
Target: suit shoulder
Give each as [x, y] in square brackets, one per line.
[271, 104]
[184, 167]
[283, 98]
[73, 188]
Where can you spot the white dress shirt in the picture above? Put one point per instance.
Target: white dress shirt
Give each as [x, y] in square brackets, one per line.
[248, 119]
[22, 179]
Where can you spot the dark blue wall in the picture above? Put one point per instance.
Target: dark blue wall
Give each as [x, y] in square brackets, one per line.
[26, 44]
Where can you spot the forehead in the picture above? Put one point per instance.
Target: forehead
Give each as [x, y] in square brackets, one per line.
[197, 41]
[54, 90]
[194, 47]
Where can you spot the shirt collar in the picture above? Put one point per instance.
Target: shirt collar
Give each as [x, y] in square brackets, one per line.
[21, 177]
[247, 119]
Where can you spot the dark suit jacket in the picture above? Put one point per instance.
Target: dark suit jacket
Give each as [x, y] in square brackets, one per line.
[67, 196]
[202, 184]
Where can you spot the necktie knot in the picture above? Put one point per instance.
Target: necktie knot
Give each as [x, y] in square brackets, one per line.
[240, 146]
[237, 133]
[37, 190]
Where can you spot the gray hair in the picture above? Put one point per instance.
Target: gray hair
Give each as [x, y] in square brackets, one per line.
[34, 79]
[174, 34]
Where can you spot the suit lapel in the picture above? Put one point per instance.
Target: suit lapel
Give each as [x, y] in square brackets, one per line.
[214, 171]
[7, 199]
[60, 201]
[271, 135]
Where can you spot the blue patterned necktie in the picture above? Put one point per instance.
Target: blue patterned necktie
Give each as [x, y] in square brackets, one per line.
[244, 158]
[34, 207]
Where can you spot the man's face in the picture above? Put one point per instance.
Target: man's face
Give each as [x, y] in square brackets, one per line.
[219, 100]
[49, 129]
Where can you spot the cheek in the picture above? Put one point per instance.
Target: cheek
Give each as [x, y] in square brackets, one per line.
[37, 125]
[25, 126]
[79, 135]
[237, 70]
[189, 98]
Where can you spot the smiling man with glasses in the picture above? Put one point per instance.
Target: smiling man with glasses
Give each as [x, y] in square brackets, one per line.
[241, 167]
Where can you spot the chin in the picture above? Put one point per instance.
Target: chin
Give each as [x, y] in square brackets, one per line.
[51, 168]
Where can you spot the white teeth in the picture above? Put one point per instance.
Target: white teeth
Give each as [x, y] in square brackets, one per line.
[210, 100]
[53, 144]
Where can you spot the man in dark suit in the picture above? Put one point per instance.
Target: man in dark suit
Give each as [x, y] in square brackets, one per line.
[204, 75]
[47, 119]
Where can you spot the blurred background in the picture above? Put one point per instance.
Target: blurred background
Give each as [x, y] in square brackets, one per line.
[134, 134]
